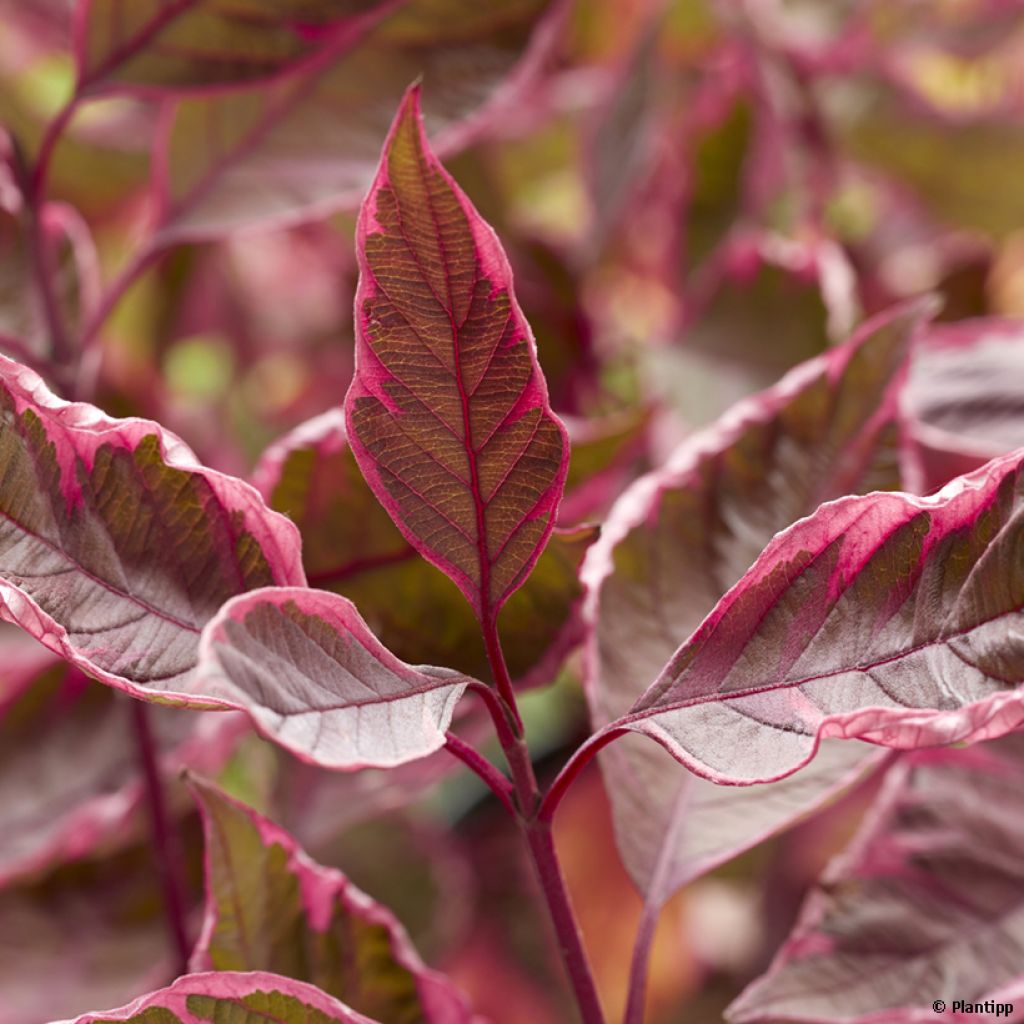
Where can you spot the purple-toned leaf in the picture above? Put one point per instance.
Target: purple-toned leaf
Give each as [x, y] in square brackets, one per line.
[448, 414]
[51, 716]
[309, 923]
[926, 903]
[315, 679]
[889, 617]
[253, 997]
[117, 546]
[309, 142]
[351, 547]
[964, 398]
[156, 47]
[680, 537]
[114, 897]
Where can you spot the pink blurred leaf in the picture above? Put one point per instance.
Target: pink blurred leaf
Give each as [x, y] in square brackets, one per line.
[253, 997]
[310, 923]
[889, 617]
[964, 398]
[926, 903]
[309, 142]
[117, 545]
[448, 414]
[52, 716]
[157, 47]
[351, 547]
[312, 676]
[680, 537]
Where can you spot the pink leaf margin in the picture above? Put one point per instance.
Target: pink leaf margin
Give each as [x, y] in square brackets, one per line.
[370, 374]
[77, 431]
[230, 986]
[320, 889]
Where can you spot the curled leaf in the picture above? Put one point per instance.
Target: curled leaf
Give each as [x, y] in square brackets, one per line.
[315, 679]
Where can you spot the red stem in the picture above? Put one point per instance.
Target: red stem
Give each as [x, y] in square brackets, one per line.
[164, 844]
[341, 573]
[639, 965]
[54, 130]
[537, 832]
[471, 757]
[140, 262]
[579, 760]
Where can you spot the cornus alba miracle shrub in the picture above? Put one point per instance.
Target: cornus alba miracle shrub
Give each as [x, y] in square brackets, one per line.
[766, 619]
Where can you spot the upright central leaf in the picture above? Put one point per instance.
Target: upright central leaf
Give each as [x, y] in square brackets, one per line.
[448, 413]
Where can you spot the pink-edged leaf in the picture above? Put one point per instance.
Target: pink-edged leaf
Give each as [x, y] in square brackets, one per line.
[681, 536]
[310, 922]
[448, 414]
[889, 617]
[926, 903]
[315, 679]
[351, 547]
[154, 47]
[964, 397]
[309, 142]
[117, 546]
[251, 997]
[52, 716]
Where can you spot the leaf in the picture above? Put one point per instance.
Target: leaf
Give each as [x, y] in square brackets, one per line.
[155, 47]
[51, 716]
[309, 142]
[964, 399]
[680, 537]
[313, 678]
[251, 998]
[447, 414]
[116, 546]
[113, 897]
[270, 908]
[889, 617]
[926, 903]
[351, 547]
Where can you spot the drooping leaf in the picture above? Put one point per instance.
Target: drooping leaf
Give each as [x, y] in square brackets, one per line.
[351, 547]
[889, 617]
[680, 537]
[254, 997]
[270, 908]
[926, 903]
[448, 415]
[116, 546]
[964, 398]
[51, 717]
[114, 897]
[310, 141]
[194, 44]
[315, 679]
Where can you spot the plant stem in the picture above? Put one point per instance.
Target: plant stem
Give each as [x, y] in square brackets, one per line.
[167, 862]
[471, 757]
[579, 760]
[537, 833]
[140, 262]
[639, 965]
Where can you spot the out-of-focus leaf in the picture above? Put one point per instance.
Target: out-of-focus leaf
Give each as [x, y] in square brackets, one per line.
[51, 716]
[351, 547]
[768, 304]
[680, 537]
[448, 415]
[252, 997]
[155, 47]
[889, 617]
[310, 141]
[926, 903]
[309, 922]
[315, 679]
[965, 398]
[115, 898]
[117, 545]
